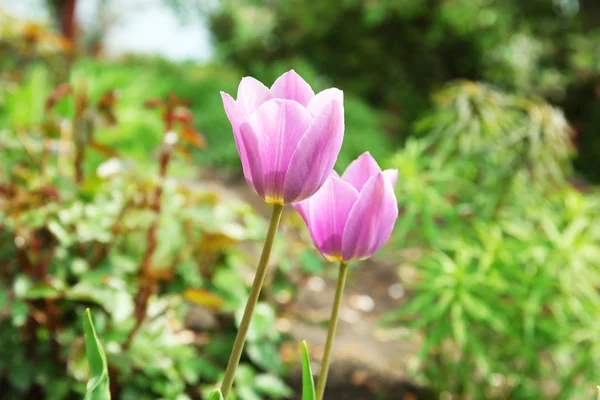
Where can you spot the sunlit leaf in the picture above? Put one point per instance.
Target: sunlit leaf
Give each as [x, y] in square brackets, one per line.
[216, 395]
[263, 321]
[266, 354]
[459, 328]
[272, 386]
[19, 313]
[203, 297]
[215, 242]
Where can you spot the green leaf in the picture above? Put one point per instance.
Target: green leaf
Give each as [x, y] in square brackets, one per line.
[3, 297]
[216, 395]
[20, 376]
[19, 312]
[114, 298]
[272, 386]
[266, 355]
[97, 387]
[308, 384]
[459, 329]
[261, 327]
[247, 393]
[60, 233]
[311, 262]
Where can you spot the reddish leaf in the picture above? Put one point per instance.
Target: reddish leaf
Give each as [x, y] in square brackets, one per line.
[103, 149]
[57, 94]
[192, 137]
[154, 103]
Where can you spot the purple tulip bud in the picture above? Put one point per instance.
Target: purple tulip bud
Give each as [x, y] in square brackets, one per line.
[351, 217]
[288, 138]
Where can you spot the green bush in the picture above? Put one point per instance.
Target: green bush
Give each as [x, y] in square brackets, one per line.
[98, 210]
[506, 297]
[394, 53]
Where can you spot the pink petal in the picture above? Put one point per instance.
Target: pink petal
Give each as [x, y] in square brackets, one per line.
[235, 113]
[371, 220]
[303, 208]
[251, 94]
[329, 209]
[281, 124]
[322, 98]
[315, 155]
[252, 144]
[360, 170]
[237, 116]
[391, 175]
[291, 86]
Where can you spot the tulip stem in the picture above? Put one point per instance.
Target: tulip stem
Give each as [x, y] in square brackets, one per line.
[333, 321]
[259, 278]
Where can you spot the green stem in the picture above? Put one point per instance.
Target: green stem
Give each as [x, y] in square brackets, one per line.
[333, 321]
[259, 278]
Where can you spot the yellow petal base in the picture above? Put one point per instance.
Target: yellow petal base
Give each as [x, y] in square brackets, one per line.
[274, 200]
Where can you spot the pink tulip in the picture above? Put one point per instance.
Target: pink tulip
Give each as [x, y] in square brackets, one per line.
[288, 138]
[351, 217]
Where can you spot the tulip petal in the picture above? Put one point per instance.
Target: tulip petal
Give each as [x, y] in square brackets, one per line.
[252, 145]
[251, 94]
[371, 220]
[328, 212]
[291, 86]
[303, 208]
[235, 113]
[315, 155]
[361, 170]
[281, 124]
[237, 116]
[316, 105]
[391, 175]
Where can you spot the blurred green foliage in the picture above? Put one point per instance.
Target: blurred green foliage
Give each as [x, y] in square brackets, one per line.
[100, 207]
[505, 301]
[202, 86]
[506, 298]
[394, 53]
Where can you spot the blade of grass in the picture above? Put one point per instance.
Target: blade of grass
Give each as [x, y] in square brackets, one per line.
[98, 386]
[308, 383]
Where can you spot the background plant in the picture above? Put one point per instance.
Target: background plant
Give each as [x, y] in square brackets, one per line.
[89, 220]
[508, 278]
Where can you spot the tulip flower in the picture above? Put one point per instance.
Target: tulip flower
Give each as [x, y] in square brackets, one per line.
[349, 219]
[287, 137]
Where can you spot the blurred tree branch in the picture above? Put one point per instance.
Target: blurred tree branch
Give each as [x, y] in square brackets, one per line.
[64, 14]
